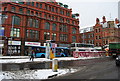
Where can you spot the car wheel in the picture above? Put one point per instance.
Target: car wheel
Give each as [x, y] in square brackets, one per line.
[42, 56]
[62, 55]
[117, 64]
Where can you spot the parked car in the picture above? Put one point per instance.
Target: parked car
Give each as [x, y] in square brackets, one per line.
[117, 60]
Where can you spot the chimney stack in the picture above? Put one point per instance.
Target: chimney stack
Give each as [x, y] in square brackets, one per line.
[104, 19]
[116, 21]
[97, 21]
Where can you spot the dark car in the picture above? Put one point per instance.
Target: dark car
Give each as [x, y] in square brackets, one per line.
[117, 60]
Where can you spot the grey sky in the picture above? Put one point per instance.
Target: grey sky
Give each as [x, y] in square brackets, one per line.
[89, 10]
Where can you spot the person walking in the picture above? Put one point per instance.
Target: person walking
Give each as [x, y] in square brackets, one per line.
[32, 55]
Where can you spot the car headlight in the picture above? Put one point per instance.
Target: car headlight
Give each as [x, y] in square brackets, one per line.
[116, 58]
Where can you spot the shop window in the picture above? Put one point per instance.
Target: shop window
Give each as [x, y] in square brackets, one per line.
[46, 36]
[53, 36]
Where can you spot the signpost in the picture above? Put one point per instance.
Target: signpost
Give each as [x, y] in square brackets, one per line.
[50, 49]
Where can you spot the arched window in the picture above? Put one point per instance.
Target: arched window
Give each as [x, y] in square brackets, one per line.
[13, 9]
[54, 26]
[47, 25]
[16, 20]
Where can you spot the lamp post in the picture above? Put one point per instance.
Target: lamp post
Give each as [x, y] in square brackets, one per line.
[12, 34]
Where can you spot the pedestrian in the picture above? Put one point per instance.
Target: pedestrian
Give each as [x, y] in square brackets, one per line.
[32, 55]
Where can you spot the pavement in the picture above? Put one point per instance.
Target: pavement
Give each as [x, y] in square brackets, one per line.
[14, 57]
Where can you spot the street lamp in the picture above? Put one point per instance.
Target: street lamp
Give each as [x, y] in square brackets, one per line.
[12, 33]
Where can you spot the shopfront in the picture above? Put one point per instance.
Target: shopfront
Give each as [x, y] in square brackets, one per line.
[14, 48]
[31, 46]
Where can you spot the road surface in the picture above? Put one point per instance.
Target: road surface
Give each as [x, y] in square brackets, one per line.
[99, 70]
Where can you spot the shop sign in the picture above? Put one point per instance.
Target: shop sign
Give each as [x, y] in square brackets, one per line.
[32, 44]
[1, 31]
[14, 42]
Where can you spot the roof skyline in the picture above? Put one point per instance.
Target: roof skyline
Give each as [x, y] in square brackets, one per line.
[89, 10]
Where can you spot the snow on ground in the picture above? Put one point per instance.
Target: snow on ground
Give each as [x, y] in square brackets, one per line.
[34, 74]
[23, 60]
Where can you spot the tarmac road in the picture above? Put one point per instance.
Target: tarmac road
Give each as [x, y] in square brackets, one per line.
[99, 70]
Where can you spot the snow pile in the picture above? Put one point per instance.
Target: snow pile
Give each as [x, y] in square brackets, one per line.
[34, 74]
[42, 59]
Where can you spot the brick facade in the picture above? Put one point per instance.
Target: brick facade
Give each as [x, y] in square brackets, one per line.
[104, 32]
[38, 22]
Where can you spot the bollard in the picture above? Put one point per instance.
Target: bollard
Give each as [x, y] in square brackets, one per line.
[54, 65]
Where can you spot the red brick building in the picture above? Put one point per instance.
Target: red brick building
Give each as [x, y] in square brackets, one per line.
[35, 22]
[103, 33]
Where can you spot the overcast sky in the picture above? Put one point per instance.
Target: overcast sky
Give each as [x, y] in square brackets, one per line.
[89, 10]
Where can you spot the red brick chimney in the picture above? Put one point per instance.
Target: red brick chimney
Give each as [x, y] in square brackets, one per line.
[116, 21]
[97, 21]
[104, 19]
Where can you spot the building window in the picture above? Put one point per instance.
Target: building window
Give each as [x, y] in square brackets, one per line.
[30, 24]
[27, 33]
[21, 10]
[46, 36]
[16, 20]
[13, 9]
[46, 7]
[53, 36]
[32, 13]
[36, 13]
[28, 12]
[47, 25]
[64, 37]
[3, 19]
[33, 23]
[37, 5]
[54, 27]
[5, 9]
[32, 3]
[53, 17]
[36, 24]
[52, 9]
[32, 34]
[21, 2]
[61, 19]
[15, 32]
[63, 28]
[56, 10]
[28, 3]
[73, 38]
[74, 30]
[40, 5]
